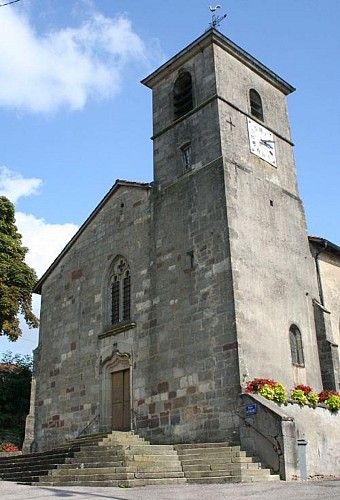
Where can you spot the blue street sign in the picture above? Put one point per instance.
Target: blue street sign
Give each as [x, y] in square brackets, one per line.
[250, 410]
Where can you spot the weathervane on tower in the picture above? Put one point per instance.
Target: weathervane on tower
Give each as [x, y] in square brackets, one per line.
[215, 20]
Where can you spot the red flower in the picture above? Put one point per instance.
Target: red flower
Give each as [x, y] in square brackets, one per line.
[257, 383]
[325, 394]
[8, 447]
[305, 388]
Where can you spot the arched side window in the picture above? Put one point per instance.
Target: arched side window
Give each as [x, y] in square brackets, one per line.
[120, 285]
[256, 107]
[182, 94]
[296, 347]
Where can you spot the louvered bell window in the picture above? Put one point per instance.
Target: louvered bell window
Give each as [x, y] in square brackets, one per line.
[256, 107]
[183, 101]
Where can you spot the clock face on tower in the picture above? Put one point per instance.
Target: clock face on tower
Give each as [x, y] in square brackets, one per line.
[261, 142]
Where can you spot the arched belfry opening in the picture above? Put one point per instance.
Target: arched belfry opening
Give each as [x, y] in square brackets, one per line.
[182, 94]
[256, 107]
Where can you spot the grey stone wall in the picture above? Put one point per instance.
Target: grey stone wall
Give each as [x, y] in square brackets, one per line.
[330, 276]
[200, 127]
[273, 433]
[272, 269]
[68, 358]
[189, 380]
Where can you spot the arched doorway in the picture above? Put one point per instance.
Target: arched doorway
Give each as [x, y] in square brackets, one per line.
[116, 392]
[121, 407]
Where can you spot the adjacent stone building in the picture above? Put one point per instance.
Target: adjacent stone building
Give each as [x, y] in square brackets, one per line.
[173, 294]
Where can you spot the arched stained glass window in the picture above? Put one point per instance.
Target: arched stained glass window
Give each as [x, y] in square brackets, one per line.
[120, 292]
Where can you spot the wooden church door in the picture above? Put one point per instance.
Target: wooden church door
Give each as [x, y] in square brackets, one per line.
[121, 400]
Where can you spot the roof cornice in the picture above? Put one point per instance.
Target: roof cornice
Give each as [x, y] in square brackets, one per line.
[215, 37]
[325, 244]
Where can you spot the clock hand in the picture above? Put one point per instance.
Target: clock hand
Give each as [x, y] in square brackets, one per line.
[267, 142]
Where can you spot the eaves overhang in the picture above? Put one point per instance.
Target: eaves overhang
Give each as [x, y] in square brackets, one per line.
[215, 37]
[118, 184]
[324, 245]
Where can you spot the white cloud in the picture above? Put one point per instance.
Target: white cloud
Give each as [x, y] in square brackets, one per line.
[13, 185]
[44, 241]
[40, 73]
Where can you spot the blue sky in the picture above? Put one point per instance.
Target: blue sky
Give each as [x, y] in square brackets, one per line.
[75, 117]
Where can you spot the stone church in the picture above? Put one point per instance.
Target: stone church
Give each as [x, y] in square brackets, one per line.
[173, 294]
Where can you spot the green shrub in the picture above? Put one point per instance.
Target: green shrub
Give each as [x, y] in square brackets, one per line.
[269, 389]
[304, 395]
[299, 396]
[333, 402]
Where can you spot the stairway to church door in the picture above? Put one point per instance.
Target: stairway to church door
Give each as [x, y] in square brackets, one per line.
[121, 400]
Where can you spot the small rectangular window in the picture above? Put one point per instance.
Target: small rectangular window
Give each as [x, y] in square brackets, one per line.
[186, 156]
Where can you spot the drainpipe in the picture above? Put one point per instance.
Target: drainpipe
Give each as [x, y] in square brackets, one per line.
[318, 274]
[302, 443]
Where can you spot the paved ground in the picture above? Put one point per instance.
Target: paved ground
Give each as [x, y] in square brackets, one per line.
[312, 490]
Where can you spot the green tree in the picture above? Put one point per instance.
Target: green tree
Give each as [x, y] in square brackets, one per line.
[17, 279]
[15, 389]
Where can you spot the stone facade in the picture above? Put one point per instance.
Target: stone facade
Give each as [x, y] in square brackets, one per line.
[219, 264]
[279, 435]
[327, 309]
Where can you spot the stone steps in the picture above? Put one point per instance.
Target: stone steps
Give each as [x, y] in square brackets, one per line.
[218, 466]
[175, 467]
[118, 483]
[123, 459]
[219, 452]
[231, 479]
[25, 467]
[216, 463]
[117, 459]
[47, 455]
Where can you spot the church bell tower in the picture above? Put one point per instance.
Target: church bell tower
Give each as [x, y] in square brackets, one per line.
[226, 184]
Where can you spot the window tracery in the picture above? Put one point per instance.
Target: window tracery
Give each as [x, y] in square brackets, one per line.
[120, 292]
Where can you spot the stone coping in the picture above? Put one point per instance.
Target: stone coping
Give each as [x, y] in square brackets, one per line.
[275, 406]
[115, 329]
[5, 454]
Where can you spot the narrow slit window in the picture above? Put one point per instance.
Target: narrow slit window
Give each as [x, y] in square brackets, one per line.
[191, 259]
[256, 107]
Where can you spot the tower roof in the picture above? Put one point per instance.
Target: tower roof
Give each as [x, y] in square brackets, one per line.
[215, 37]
